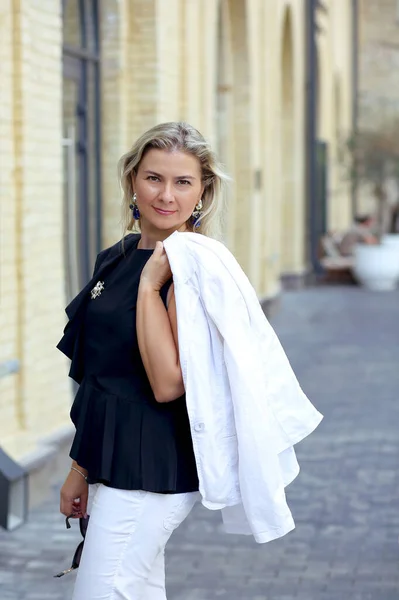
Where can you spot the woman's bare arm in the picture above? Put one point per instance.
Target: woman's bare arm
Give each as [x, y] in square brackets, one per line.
[157, 337]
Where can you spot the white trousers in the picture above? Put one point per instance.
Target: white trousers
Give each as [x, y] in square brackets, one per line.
[123, 555]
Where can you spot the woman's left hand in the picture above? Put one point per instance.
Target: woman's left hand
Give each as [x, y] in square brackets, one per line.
[157, 270]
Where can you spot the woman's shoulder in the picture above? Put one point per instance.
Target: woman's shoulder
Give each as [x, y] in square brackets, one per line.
[198, 244]
[209, 250]
[122, 245]
[210, 258]
[117, 248]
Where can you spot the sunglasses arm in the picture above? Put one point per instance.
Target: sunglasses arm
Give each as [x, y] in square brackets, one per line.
[62, 573]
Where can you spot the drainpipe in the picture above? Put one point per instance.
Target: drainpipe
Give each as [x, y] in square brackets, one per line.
[355, 89]
[98, 160]
[311, 133]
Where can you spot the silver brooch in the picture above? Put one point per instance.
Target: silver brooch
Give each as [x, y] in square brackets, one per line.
[96, 291]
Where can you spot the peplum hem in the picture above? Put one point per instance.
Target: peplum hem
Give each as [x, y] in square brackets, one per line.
[129, 444]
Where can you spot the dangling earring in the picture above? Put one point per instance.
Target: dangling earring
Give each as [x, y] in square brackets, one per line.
[134, 208]
[197, 214]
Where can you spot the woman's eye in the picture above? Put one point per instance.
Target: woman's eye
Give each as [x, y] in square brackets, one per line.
[183, 182]
[153, 178]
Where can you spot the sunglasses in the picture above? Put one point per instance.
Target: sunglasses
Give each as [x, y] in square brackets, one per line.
[83, 523]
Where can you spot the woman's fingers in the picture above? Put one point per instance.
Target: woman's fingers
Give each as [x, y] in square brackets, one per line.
[73, 495]
[83, 502]
[67, 508]
[71, 507]
[158, 250]
[75, 506]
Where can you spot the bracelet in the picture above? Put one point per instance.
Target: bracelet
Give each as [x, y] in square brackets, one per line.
[77, 471]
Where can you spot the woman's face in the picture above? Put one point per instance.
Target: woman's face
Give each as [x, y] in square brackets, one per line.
[168, 185]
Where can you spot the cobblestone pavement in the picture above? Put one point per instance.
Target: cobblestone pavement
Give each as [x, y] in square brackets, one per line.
[344, 346]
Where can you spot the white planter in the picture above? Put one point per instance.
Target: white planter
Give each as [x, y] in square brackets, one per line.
[391, 239]
[377, 267]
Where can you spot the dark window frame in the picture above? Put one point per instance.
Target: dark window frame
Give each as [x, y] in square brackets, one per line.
[85, 59]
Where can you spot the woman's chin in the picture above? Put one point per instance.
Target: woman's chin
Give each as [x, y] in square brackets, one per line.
[165, 224]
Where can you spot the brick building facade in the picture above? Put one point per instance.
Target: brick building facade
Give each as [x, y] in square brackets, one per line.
[378, 91]
[81, 79]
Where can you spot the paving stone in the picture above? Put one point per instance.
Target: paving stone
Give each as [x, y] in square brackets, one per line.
[344, 346]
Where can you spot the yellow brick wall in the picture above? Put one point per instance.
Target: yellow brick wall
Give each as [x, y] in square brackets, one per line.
[290, 130]
[216, 64]
[378, 61]
[339, 123]
[8, 214]
[265, 226]
[32, 235]
[117, 66]
[378, 68]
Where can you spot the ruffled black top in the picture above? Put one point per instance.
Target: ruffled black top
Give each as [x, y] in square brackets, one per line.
[124, 437]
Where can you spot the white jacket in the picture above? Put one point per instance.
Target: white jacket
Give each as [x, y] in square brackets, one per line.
[245, 405]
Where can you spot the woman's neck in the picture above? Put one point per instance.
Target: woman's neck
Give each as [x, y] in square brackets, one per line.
[150, 238]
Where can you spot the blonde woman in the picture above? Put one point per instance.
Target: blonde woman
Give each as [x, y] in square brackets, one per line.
[164, 410]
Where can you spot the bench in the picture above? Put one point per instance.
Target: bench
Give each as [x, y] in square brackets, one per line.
[338, 268]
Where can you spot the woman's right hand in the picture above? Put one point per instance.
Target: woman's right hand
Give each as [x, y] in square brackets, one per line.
[74, 495]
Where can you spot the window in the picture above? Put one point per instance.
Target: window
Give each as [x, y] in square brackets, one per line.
[81, 122]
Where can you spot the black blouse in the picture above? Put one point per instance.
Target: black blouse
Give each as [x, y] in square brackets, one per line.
[124, 437]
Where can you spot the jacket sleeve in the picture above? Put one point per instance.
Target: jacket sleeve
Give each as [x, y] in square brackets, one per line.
[260, 476]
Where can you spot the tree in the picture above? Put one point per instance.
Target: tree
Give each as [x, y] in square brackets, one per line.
[370, 158]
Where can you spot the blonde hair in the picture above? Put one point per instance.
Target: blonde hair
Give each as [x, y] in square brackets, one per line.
[185, 138]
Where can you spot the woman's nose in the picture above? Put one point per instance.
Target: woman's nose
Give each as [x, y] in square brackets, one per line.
[167, 193]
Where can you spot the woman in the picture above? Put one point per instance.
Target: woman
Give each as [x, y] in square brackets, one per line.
[159, 416]
[132, 430]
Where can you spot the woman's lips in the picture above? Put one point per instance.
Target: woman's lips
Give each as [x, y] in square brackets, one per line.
[160, 211]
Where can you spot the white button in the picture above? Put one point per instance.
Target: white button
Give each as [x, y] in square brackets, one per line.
[199, 426]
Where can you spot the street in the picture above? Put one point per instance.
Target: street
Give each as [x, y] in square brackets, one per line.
[343, 343]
